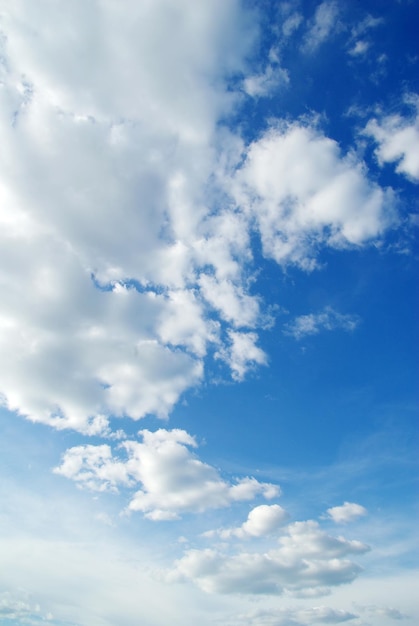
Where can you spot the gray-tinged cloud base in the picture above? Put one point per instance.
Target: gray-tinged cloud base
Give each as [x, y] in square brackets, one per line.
[307, 559]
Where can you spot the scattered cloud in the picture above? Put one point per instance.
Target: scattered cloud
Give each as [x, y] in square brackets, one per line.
[347, 512]
[306, 558]
[173, 480]
[291, 24]
[368, 23]
[398, 140]
[322, 25]
[115, 303]
[382, 611]
[242, 353]
[262, 520]
[360, 48]
[314, 323]
[301, 193]
[267, 83]
[295, 617]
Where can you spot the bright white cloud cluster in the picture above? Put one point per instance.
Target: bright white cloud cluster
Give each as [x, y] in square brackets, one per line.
[173, 480]
[314, 323]
[262, 520]
[126, 217]
[398, 141]
[103, 177]
[307, 558]
[302, 193]
[347, 512]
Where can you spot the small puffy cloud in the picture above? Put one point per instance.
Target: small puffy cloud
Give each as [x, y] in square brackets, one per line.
[173, 480]
[242, 353]
[322, 25]
[262, 520]
[347, 512]
[301, 193]
[307, 558]
[314, 323]
[360, 47]
[398, 140]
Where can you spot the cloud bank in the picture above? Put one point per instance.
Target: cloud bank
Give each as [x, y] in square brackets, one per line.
[128, 205]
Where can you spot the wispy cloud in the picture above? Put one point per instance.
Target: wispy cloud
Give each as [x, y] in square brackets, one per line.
[314, 323]
[322, 25]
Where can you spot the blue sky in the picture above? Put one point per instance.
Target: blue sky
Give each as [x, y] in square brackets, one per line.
[208, 335]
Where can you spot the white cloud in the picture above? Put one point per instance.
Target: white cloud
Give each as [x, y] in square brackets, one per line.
[266, 83]
[307, 558]
[262, 520]
[314, 323]
[296, 617]
[398, 140]
[302, 193]
[360, 47]
[291, 24]
[347, 512]
[124, 261]
[19, 608]
[368, 23]
[173, 480]
[382, 611]
[322, 25]
[242, 353]
[109, 131]
[230, 300]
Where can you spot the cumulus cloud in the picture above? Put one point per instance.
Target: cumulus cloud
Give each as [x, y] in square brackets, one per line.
[242, 353]
[347, 512]
[125, 215]
[398, 140]
[173, 480]
[104, 219]
[262, 520]
[302, 193]
[306, 558]
[314, 323]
